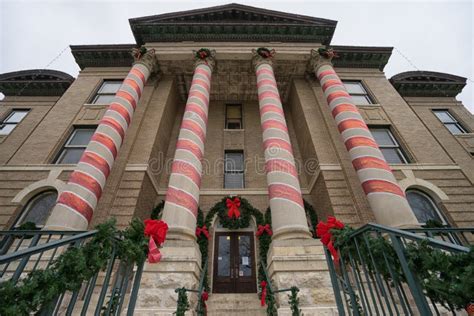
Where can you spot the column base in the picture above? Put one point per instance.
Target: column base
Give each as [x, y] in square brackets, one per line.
[180, 266]
[302, 263]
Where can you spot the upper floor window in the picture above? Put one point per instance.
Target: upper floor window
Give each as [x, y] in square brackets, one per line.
[423, 207]
[75, 145]
[234, 170]
[107, 92]
[11, 121]
[389, 146]
[38, 209]
[233, 116]
[450, 122]
[358, 93]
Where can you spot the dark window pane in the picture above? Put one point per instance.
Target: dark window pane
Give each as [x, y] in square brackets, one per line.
[110, 87]
[233, 124]
[444, 117]
[245, 256]
[39, 208]
[6, 129]
[382, 137]
[454, 129]
[391, 155]
[71, 155]
[81, 137]
[354, 88]
[233, 180]
[422, 206]
[360, 100]
[223, 256]
[16, 116]
[104, 99]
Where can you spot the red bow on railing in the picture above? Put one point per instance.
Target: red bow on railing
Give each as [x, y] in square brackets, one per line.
[470, 309]
[323, 231]
[202, 230]
[263, 285]
[264, 229]
[204, 298]
[157, 231]
[233, 206]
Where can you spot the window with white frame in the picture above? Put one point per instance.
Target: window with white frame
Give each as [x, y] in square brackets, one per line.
[388, 144]
[233, 169]
[450, 122]
[75, 145]
[424, 207]
[11, 121]
[106, 92]
[359, 94]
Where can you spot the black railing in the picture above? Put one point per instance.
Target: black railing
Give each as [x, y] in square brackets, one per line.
[183, 304]
[105, 293]
[375, 275]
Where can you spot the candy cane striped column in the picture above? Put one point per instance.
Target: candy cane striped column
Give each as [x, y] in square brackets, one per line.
[76, 203]
[286, 202]
[182, 196]
[386, 198]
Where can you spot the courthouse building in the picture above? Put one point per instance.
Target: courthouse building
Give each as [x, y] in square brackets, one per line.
[234, 101]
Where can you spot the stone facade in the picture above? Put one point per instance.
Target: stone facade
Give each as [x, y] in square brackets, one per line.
[440, 164]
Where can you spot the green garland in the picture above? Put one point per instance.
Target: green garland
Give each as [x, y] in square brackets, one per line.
[183, 302]
[294, 301]
[73, 267]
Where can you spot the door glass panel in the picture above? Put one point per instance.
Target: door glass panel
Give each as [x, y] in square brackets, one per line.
[223, 257]
[245, 256]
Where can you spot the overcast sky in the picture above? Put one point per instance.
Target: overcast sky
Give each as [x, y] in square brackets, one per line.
[432, 35]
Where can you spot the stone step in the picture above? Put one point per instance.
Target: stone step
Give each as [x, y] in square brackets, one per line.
[234, 304]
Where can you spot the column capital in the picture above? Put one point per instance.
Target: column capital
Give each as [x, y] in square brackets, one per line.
[262, 55]
[321, 56]
[146, 57]
[205, 56]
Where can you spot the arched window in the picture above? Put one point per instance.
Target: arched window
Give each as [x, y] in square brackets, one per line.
[37, 209]
[424, 207]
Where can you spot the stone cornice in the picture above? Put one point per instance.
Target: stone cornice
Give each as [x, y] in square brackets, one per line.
[361, 57]
[427, 84]
[116, 55]
[35, 82]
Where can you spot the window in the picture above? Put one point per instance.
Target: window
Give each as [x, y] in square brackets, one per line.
[234, 170]
[107, 92]
[233, 116]
[358, 93]
[388, 145]
[423, 207]
[75, 145]
[38, 208]
[450, 122]
[11, 121]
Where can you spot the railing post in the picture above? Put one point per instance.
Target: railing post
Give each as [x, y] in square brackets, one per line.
[335, 283]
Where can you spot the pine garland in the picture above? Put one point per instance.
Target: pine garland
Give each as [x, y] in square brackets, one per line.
[183, 302]
[294, 301]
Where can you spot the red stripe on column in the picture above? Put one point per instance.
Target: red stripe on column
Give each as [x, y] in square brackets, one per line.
[331, 83]
[277, 143]
[200, 82]
[201, 71]
[337, 94]
[264, 70]
[266, 82]
[190, 146]
[106, 141]
[271, 108]
[271, 123]
[76, 203]
[268, 94]
[87, 182]
[197, 109]
[280, 165]
[198, 94]
[185, 168]
[127, 96]
[370, 162]
[325, 73]
[344, 107]
[193, 127]
[285, 192]
[96, 161]
[360, 141]
[182, 198]
[109, 121]
[351, 123]
[120, 109]
[374, 186]
[134, 86]
[139, 74]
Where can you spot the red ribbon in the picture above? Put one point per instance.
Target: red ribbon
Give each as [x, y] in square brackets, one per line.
[323, 231]
[263, 285]
[202, 230]
[157, 230]
[204, 298]
[264, 229]
[470, 309]
[233, 206]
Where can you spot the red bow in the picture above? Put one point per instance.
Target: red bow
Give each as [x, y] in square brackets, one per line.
[323, 231]
[470, 309]
[233, 206]
[157, 231]
[203, 230]
[204, 298]
[263, 285]
[264, 229]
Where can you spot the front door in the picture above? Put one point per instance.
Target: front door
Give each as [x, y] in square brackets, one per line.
[234, 263]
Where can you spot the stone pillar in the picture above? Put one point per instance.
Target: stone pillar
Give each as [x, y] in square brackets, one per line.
[386, 198]
[182, 197]
[76, 204]
[286, 202]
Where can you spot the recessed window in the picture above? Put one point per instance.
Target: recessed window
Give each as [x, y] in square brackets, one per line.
[233, 116]
[234, 170]
[358, 93]
[389, 146]
[450, 122]
[107, 92]
[11, 121]
[38, 209]
[75, 145]
[423, 207]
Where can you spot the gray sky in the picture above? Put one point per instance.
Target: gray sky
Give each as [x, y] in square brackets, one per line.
[433, 35]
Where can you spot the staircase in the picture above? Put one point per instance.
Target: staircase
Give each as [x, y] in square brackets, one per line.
[235, 304]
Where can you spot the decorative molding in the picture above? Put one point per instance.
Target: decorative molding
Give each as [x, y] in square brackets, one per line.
[427, 84]
[116, 55]
[423, 167]
[35, 82]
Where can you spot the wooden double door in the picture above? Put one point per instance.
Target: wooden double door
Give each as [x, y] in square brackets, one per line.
[234, 263]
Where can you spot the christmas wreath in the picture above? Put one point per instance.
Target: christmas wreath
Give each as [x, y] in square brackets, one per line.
[327, 52]
[265, 52]
[202, 53]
